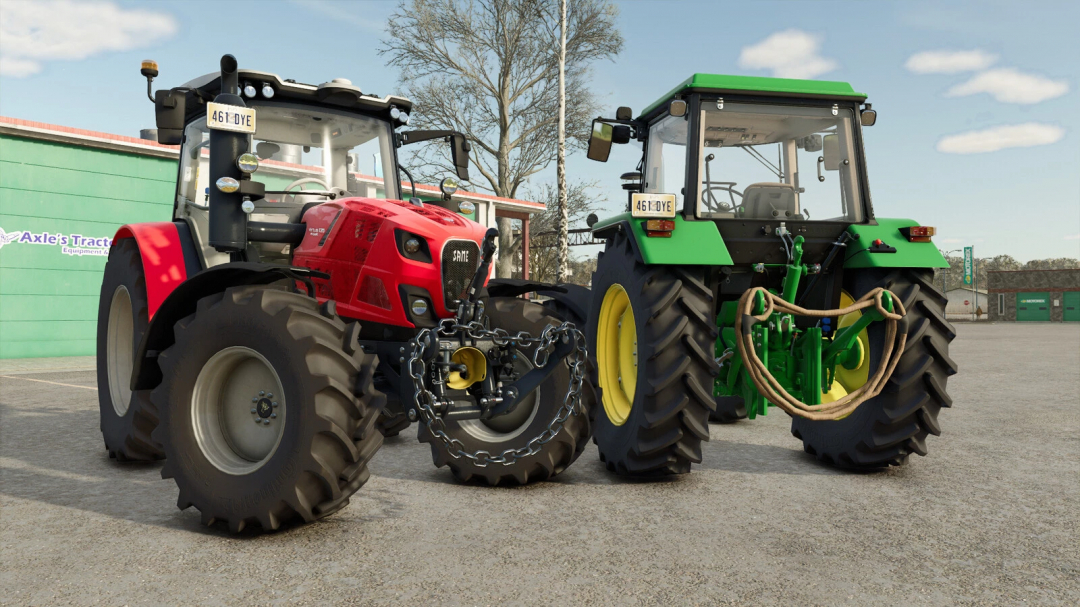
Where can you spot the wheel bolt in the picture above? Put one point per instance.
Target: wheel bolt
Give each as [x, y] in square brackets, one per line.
[255, 399]
[257, 420]
[262, 393]
[266, 422]
[270, 395]
[273, 416]
[275, 404]
[253, 410]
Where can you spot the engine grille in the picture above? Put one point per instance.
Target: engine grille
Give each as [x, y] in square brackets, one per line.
[460, 258]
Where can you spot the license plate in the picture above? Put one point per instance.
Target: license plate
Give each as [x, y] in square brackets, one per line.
[230, 118]
[653, 205]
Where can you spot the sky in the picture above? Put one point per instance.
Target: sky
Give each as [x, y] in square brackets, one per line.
[978, 102]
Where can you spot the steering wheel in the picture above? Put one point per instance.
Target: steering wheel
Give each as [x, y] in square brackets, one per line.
[299, 183]
[723, 186]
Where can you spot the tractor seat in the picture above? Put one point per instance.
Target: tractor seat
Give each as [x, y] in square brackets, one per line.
[769, 201]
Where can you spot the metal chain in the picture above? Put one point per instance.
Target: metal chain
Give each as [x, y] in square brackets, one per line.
[424, 398]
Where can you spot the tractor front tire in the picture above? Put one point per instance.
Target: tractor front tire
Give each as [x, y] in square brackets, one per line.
[528, 420]
[886, 429]
[651, 341]
[268, 409]
[127, 418]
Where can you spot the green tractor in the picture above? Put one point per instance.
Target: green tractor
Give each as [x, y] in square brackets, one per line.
[749, 270]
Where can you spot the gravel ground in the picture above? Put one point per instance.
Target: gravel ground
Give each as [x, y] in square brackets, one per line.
[989, 517]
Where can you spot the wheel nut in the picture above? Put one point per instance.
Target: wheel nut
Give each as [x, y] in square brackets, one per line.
[412, 415]
[253, 410]
[273, 416]
[266, 422]
[270, 395]
[257, 420]
[262, 393]
[255, 399]
[274, 404]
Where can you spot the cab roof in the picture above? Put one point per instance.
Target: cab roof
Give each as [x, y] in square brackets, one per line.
[781, 87]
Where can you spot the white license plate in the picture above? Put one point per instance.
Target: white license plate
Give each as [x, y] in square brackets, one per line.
[230, 117]
[653, 205]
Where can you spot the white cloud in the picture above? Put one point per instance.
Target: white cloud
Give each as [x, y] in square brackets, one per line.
[1001, 137]
[1073, 237]
[347, 14]
[32, 33]
[789, 54]
[949, 62]
[1008, 85]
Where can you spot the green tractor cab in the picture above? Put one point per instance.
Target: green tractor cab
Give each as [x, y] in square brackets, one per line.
[749, 219]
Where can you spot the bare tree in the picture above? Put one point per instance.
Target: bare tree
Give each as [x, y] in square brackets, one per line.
[543, 256]
[485, 68]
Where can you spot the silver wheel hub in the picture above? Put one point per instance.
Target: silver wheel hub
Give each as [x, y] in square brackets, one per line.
[119, 349]
[237, 410]
[505, 427]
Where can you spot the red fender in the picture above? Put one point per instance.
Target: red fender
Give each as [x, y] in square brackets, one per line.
[162, 258]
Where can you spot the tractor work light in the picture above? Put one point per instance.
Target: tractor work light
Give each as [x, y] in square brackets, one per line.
[268, 91]
[659, 228]
[248, 163]
[466, 208]
[918, 233]
[249, 91]
[419, 307]
[227, 185]
[448, 187]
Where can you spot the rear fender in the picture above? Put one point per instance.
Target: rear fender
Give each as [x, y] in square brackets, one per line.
[181, 302]
[692, 243]
[861, 252]
[168, 257]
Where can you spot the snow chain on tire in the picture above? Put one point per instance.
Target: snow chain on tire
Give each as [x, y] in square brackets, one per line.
[424, 398]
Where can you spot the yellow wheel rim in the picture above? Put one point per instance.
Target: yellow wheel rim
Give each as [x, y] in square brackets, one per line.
[848, 380]
[616, 354]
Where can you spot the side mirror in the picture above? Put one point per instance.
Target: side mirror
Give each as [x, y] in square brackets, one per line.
[600, 141]
[459, 151]
[868, 117]
[624, 113]
[831, 152]
[169, 107]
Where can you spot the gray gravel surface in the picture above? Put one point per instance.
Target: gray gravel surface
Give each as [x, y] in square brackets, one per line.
[989, 517]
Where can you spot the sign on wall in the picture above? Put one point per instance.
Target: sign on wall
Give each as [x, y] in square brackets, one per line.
[75, 245]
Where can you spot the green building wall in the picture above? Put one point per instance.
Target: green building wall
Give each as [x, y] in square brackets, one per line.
[49, 297]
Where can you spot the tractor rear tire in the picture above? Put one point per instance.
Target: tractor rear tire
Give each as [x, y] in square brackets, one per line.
[885, 430]
[655, 426]
[729, 409]
[127, 418]
[516, 429]
[268, 409]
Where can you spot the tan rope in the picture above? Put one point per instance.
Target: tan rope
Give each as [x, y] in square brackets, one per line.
[777, 395]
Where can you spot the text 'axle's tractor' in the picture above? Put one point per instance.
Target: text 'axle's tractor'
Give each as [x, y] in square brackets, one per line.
[266, 339]
[749, 268]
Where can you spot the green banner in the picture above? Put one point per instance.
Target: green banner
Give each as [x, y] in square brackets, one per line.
[968, 265]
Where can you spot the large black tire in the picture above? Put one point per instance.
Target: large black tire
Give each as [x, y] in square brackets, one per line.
[127, 418]
[729, 409]
[673, 316]
[326, 429]
[393, 420]
[516, 429]
[885, 430]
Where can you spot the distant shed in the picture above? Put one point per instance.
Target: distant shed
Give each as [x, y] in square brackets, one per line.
[1035, 295]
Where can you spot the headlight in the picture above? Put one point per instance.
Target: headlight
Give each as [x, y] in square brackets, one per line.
[466, 208]
[249, 90]
[419, 307]
[267, 91]
[248, 163]
[412, 245]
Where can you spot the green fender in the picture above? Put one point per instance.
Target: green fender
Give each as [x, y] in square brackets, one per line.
[907, 255]
[693, 243]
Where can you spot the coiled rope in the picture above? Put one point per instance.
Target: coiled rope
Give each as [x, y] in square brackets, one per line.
[777, 395]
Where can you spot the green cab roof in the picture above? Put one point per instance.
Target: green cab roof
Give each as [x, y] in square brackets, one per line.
[758, 84]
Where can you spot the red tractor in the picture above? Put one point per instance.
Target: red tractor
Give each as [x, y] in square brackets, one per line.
[265, 340]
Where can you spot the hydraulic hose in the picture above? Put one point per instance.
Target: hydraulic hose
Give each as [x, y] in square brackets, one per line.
[775, 393]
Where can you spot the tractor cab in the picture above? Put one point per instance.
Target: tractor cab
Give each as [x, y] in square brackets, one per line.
[749, 153]
[309, 144]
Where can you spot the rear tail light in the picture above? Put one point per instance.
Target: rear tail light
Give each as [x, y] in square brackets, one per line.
[918, 233]
[659, 228]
